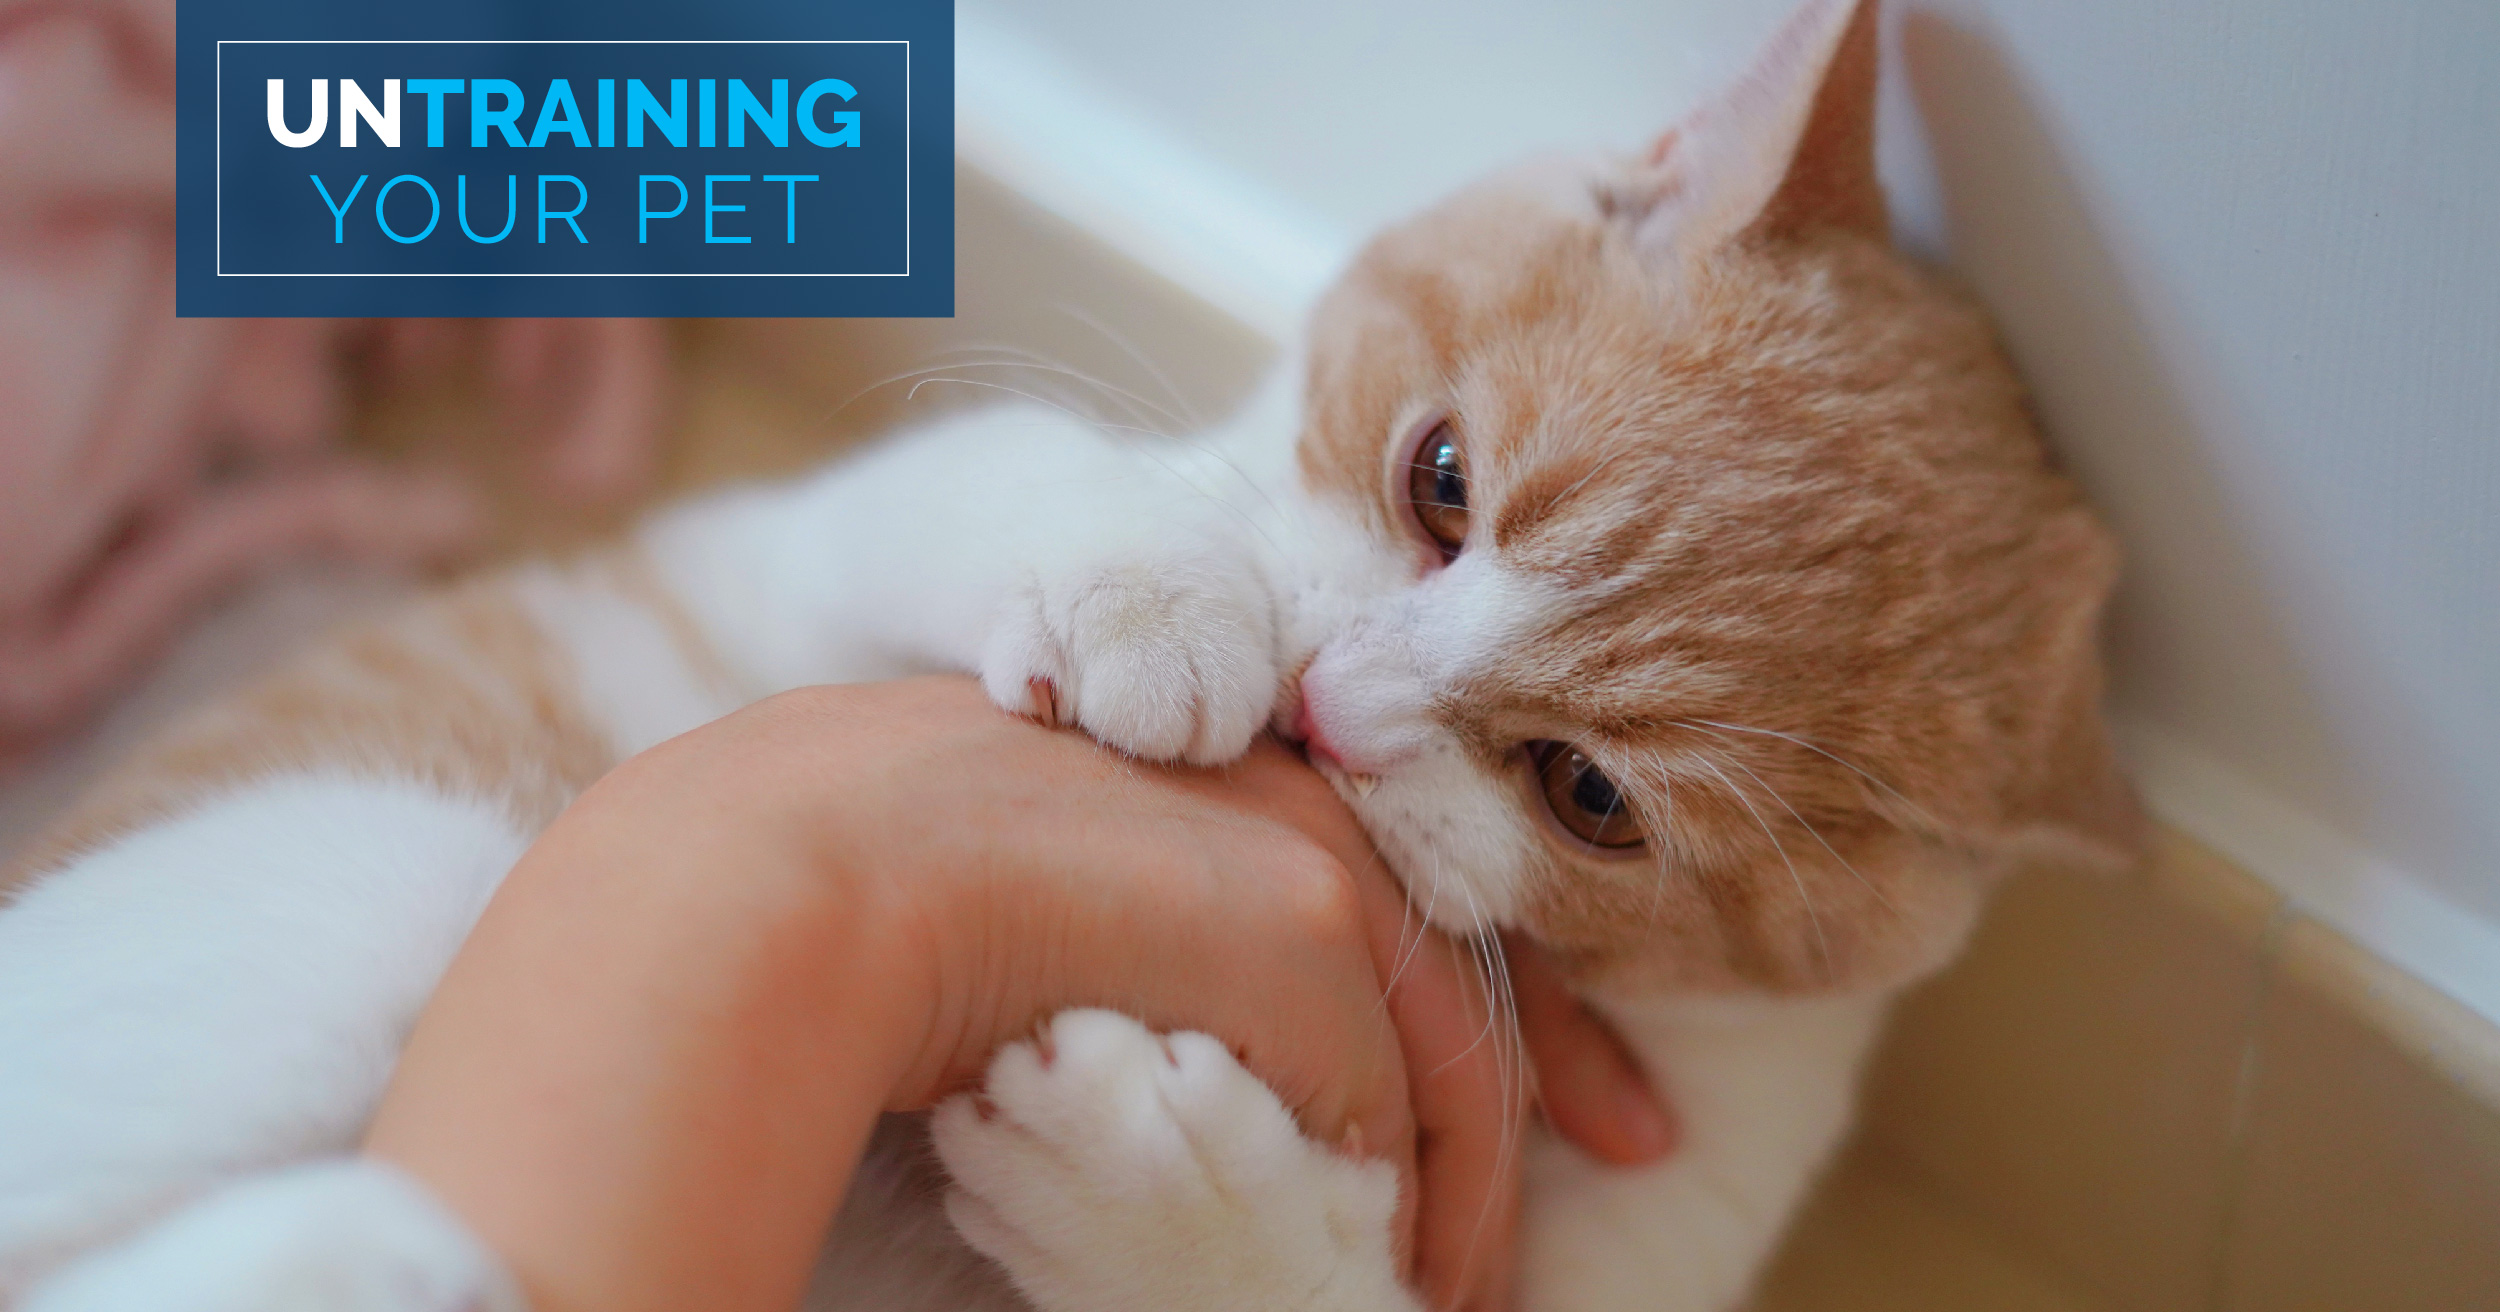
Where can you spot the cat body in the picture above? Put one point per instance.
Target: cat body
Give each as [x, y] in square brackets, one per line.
[1657, 565]
[233, 1057]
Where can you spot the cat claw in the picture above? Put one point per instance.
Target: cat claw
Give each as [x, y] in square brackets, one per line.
[1166, 659]
[1041, 701]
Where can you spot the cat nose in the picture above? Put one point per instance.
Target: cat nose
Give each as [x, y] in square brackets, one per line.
[1304, 731]
[1350, 748]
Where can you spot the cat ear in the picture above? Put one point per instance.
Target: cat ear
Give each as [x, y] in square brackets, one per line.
[1790, 146]
[2085, 813]
[2078, 809]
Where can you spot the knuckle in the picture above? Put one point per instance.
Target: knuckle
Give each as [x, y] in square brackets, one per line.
[1317, 892]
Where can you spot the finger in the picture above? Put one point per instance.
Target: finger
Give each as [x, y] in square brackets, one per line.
[1470, 1093]
[1365, 1100]
[1593, 1091]
[1273, 783]
[1466, 1080]
[1258, 935]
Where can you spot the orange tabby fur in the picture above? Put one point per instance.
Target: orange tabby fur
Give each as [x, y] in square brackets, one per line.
[1834, 613]
[462, 690]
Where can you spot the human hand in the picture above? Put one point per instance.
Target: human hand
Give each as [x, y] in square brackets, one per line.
[1467, 1086]
[1465, 1082]
[1244, 902]
[633, 1082]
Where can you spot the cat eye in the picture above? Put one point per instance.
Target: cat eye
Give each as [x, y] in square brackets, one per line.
[1436, 489]
[1582, 799]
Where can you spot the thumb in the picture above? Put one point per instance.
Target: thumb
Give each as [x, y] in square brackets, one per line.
[1593, 1091]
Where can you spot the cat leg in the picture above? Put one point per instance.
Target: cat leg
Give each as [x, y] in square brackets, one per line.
[1111, 1169]
[220, 994]
[342, 1236]
[1118, 584]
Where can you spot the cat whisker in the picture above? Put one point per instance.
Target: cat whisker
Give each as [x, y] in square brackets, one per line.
[1006, 355]
[1817, 833]
[940, 364]
[1188, 421]
[1658, 886]
[1660, 843]
[1142, 405]
[1036, 398]
[1187, 412]
[1822, 946]
[1115, 431]
[938, 373]
[1422, 921]
[1247, 520]
[1188, 424]
[1492, 963]
[1478, 931]
[1501, 1022]
[1916, 811]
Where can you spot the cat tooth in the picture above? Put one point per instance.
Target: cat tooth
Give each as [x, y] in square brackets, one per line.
[1363, 784]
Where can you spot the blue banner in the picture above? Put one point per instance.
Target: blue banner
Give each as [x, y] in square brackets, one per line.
[565, 158]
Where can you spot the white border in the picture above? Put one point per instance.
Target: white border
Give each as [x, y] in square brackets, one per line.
[220, 91]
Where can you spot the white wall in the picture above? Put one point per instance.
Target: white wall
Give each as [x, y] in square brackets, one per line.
[2246, 251]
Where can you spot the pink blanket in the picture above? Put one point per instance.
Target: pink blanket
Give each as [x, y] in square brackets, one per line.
[149, 463]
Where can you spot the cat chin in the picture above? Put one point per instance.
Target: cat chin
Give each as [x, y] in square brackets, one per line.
[1453, 837]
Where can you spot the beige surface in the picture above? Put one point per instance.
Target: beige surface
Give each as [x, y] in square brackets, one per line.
[1869, 1244]
[2072, 1081]
[2372, 1178]
[2422, 1023]
[2174, 1092]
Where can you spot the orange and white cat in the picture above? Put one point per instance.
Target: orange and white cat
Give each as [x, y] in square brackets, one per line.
[1660, 566]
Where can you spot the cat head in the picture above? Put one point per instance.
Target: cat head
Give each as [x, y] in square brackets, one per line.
[1729, 625]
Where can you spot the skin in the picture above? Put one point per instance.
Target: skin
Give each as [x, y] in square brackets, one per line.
[646, 1083]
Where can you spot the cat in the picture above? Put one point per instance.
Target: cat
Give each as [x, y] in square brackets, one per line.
[1659, 565]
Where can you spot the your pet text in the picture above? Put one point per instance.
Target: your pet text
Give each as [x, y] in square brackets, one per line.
[494, 109]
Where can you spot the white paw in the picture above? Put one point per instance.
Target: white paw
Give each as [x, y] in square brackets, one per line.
[345, 1236]
[1168, 656]
[1109, 1169]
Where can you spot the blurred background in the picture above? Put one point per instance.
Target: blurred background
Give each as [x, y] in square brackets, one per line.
[2240, 249]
